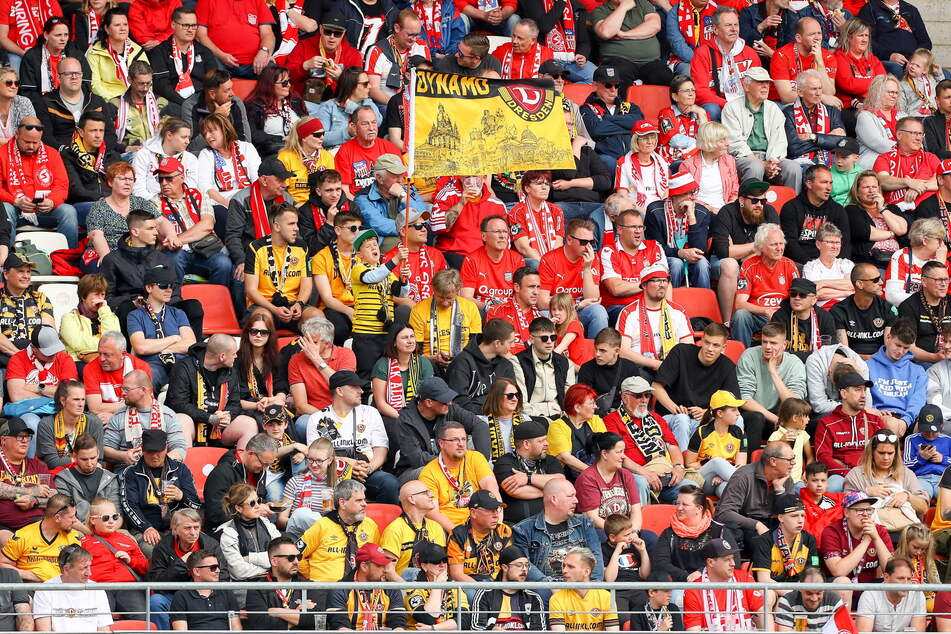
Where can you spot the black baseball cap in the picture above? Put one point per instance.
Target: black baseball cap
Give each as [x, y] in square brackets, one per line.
[802, 285]
[528, 430]
[14, 261]
[427, 552]
[484, 499]
[436, 389]
[852, 379]
[606, 74]
[14, 427]
[846, 146]
[154, 440]
[274, 412]
[930, 418]
[334, 21]
[551, 67]
[717, 548]
[341, 378]
[273, 167]
[753, 188]
[159, 275]
[787, 503]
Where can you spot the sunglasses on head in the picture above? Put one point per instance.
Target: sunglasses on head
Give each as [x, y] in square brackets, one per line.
[105, 518]
[260, 332]
[294, 557]
[511, 395]
[545, 338]
[883, 437]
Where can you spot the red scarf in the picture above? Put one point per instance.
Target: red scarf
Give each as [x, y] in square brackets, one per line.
[661, 174]
[803, 126]
[889, 122]
[29, 25]
[665, 323]
[16, 178]
[121, 62]
[289, 35]
[259, 211]
[828, 26]
[431, 18]
[541, 226]
[41, 371]
[690, 21]
[899, 19]
[536, 52]
[93, 20]
[895, 168]
[394, 386]
[224, 178]
[561, 39]
[49, 71]
[184, 70]
[421, 284]
[192, 198]
[673, 222]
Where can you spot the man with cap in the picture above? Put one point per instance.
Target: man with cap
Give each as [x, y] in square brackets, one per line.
[435, 607]
[646, 438]
[290, 610]
[680, 225]
[642, 173]
[522, 57]
[195, 248]
[386, 58]
[735, 610]
[276, 271]
[22, 309]
[928, 451]
[379, 202]
[608, 118]
[783, 554]
[928, 308]
[807, 325]
[841, 436]
[474, 546]
[22, 497]
[250, 209]
[153, 488]
[358, 435]
[523, 472]
[717, 80]
[802, 216]
[487, 272]
[907, 172]
[356, 159]
[667, 322]
[367, 609]
[36, 371]
[329, 53]
[760, 156]
[412, 526]
[424, 260]
[505, 608]
[858, 549]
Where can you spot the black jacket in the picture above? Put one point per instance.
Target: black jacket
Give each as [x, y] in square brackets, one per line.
[860, 225]
[799, 147]
[239, 229]
[936, 135]
[356, 24]
[182, 396]
[680, 556]
[886, 37]
[194, 111]
[525, 360]
[611, 133]
[165, 78]
[124, 268]
[587, 165]
[59, 124]
[729, 225]
[471, 374]
[257, 603]
[86, 185]
[417, 436]
[801, 235]
[31, 80]
[133, 493]
[317, 239]
[269, 144]
[166, 565]
[228, 471]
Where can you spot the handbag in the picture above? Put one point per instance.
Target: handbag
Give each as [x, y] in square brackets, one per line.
[605, 402]
[137, 576]
[42, 264]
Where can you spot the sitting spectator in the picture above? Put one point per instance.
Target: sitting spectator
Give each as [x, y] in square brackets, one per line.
[356, 157]
[875, 126]
[111, 56]
[717, 69]
[702, 607]
[139, 110]
[690, 25]
[86, 155]
[608, 118]
[303, 154]
[290, 611]
[892, 610]
[34, 548]
[575, 609]
[537, 227]
[263, 377]
[928, 310]
[899, 385]
[638, 59]
[217, 96]
[882, 474]
[896, 31]
[541, 373]
[204, 609]
[936, 134]
[108, 219]
[331, 267]
[382, 200]
[122, 439]
[260, 452]
[878, 229]
[713, 169]
[384, 60]
[790, 63]
[86, 480]
[432, 562]
[642, 173]
[606, 370]
[444, 322]
[845, 169]
[469, 199]
[246, 533]
[524, 471]
[764, 282]
[107, 544]
[520, 308]
[481, 362]
[82, 327]
[822, 507]
[856, 67]
[857, 549]
[718, 447]
[926, 239]
[39, 72]
[227, 164]
[606, 488]
[659, 601]
[471, 58]
[171, 140]
[916, 544]
[760, 157]
[245, 48]
[568, 434]
[908, 173]
[815, 608]
[939, 381]
[522, 57]
[57, 434]
[680, 122]
[307, 495]
[570, 333]
[103, 376]
[24, 311]
[769, 561]
[829, 273]
[681, 227]
[272, 110]
[57, 611]
[179, 63]
[474, 547]
[808, 327]
[370, 563]
[310, 369]
[403, 535]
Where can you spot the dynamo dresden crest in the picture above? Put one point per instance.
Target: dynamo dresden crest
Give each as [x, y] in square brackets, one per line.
[528, 102]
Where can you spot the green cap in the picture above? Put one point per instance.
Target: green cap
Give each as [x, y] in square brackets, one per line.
[363, 236]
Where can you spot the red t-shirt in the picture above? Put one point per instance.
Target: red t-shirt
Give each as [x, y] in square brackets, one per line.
[578, 351]
[463, 236]
[766, 286]
[524, 65]
[491, 280]
[613, 422]
[355, 162]
[693, 601]
[108, 385]
[301, 370]
[787, 64]
[526, 222]
[233, 25]
[560, 275]
[616, 496]
[21, 367]
[921, 165]
[509, 311]
[619, 264]
[11, 8]
[421, 277]
[835, 543]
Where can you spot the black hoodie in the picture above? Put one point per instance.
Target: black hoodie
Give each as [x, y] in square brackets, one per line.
[228, 471]
[124, 268]
[59, 125]
[182, 394]
[800, 220]
[471, 374]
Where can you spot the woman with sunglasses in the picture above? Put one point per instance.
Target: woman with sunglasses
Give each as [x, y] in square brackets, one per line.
[13, 107]
[882, 474]
[272, 110]
[503, 408]
[262, 379]
[568, 436]
[227, 165]
[538, 227]
[309, 496]
[38, 70]
[877, 229]
[106, 222]
[245, 537]
[57, 432]
[875, 126]
[304, 154]
[398, 373]
[109, 58]
[86, 23]
[116, 557]
[353, 91]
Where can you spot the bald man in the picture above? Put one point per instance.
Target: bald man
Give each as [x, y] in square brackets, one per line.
[412, 526]
[34, 185]
[864, 318]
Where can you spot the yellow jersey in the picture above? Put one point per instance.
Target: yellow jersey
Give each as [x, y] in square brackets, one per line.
[337, 272]
[368, 299]
[399, 538]
[560, 437]
[453, 502]
[30, 550]
[708, 443]
[420, 320]
[325, 548]
[478, 556]
[278, 268]
[594, 612]
[416, 598]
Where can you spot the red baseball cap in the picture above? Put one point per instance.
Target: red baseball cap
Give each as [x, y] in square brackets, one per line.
[945, 167]
[374, 554]
[169, 165]
[643, 128]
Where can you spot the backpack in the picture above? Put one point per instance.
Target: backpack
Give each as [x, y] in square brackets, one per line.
[42, 265]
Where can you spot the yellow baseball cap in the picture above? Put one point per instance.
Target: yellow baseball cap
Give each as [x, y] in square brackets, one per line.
[722, 398]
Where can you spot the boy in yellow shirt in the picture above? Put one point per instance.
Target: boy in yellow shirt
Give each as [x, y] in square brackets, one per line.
[581, 610]
[444, 322]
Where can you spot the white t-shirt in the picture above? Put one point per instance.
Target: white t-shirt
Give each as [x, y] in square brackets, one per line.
[370, 431]
[206, 169]
[648, 186]
[711, 186]
[629, 325]
[81, 611]
[816, 271]
[888, 617]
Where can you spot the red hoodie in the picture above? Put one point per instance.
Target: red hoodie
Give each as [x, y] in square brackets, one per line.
[840, 439]
[817, 518]
[702, 70]
[105, 566]
[151, 19]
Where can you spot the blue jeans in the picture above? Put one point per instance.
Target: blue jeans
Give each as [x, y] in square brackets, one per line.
[713, 110]
[594, 318]
[159, 605]
[82, 210]
[383, 488]
[716, 467]
[744, 324]
[894, 68]
[667, 494]
[14, 61]
[583, 75]
[216, 268]
[683, 427]
[243, 71]
[930, 484]
[503, 28]
[698, 272]
[574, 210]
[62, 218]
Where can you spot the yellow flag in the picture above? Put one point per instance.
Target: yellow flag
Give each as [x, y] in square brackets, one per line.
[471, 125]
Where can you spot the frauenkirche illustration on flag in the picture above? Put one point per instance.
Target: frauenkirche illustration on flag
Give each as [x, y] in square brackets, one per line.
[472, 125]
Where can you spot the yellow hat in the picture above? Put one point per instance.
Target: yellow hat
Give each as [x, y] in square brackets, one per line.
[722, 398]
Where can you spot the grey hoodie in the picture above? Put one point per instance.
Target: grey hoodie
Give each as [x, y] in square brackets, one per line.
[822, 394]
[66, 482]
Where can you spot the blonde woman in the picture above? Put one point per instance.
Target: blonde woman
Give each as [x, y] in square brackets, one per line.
[116, 557]
[304, 154]
[13, 106]
[875, 125]
[882, 474]
[713, 167]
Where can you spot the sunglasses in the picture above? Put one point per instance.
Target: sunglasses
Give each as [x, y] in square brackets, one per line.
[105, 518]
[545, 338]
[351, 228]
[32, 126]
[798, 295]
[880, 437]
[211, 567]
[11, 82]
[612, 86]
[283, 82]
[168, 179]
[294, 557]
[419, 226]
[582, 242]
[873, 280]
[317, 135]
[511, 395]
[260, 332]
[756, 201]
[643, 395]
[251, 503]
[332, 33]
[560, 76]
[163, 286]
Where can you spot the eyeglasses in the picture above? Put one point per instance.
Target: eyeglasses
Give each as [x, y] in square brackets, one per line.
[789, 460]
[563, 76]
[283, 82]
[939, 280]
[425, 492]
[541, 182]
[32, 126]
[294, 557]
[865, 510]
[190, 25]
[634, 227]
[582, 241]
[164, 287]
[318, 460]
[463, 439]
[258, 332]
[71, 74]
[612, 86]
[351, 228]
[881, 437]
[11, 82]
[105, 518]
[798, 295]
[24, 437]
[211, 567]
[756, 201]
[317, 135]
[873, 280]
[546, 338]
[511, 395]
[913, 133]
[125, 179]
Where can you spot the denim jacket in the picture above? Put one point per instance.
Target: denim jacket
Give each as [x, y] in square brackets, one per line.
[531, 535]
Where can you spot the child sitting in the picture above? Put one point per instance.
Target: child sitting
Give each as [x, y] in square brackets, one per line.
[920, 83]
[917, 546]
[793, 417]
[308, 496]
[844, 170]
[822, 508]
[569, 330]
[625, 559]
[290, 455]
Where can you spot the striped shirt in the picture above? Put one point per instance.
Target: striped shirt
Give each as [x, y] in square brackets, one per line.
[791, 613]
[368, 300]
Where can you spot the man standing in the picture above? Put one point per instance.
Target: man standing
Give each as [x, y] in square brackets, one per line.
[770, 559]
[521, 307]
[487, 273]
[180, 64]
[122, 439]
[139, 109]
[624, 259]
[807, 610]
[717, 68]
[803, 215]
[22, 310]
[243, 46]
[103, 377]
[34, 184]
[503, 608]
[863, 318]
[522, 57]
[608, 117]
[560, 273]
[723, 610]
[356, 158]
[387, 59]
[636, 57]
[283, 609]
[908, 173]
[928, 310]
[524, 472]
[690, 26]
[806, 325]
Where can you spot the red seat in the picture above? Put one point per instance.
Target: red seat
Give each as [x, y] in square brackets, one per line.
[578, 92]
[383, 514]
[778, 195]
[756, 455]
[220, 317]
[656, 517]
[650, 99]
[132, 626]
[242, 87]
[733, 350]
[200, 461]
[698, 302]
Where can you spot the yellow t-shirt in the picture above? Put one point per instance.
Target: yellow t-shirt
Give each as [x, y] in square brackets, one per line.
[399, 539]
[708, 443]
[802, 437]
[323, 264]
[257, 262]
[297, 185]
[454, 503]
[325, 546]
[419, 321]
[594, 612]
[559, 434]
[416, 598]
[368, 300]
[29, 550]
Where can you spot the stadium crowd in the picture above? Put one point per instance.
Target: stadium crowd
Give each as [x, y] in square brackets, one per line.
[731, 315]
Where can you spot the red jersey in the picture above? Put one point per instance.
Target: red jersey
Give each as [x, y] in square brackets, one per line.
[853, 76]
[617, 263]
[26, 474]
[840, 439]
[355, 162]
[522, 65]
[696, 27]
[234, 25]
[463, 236]
[26, 18]
[660, 433]
[345, 56]
[694, 608]
[560, 275]
[510, 311]
[108, 385]
[921, 165]
[491, 280]
[837, 542]
[766, 286]
[822, 513]
[541, 226]
[672, 122]
[424, 263]
[106, 567]
[787, 63]
[29, 369]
